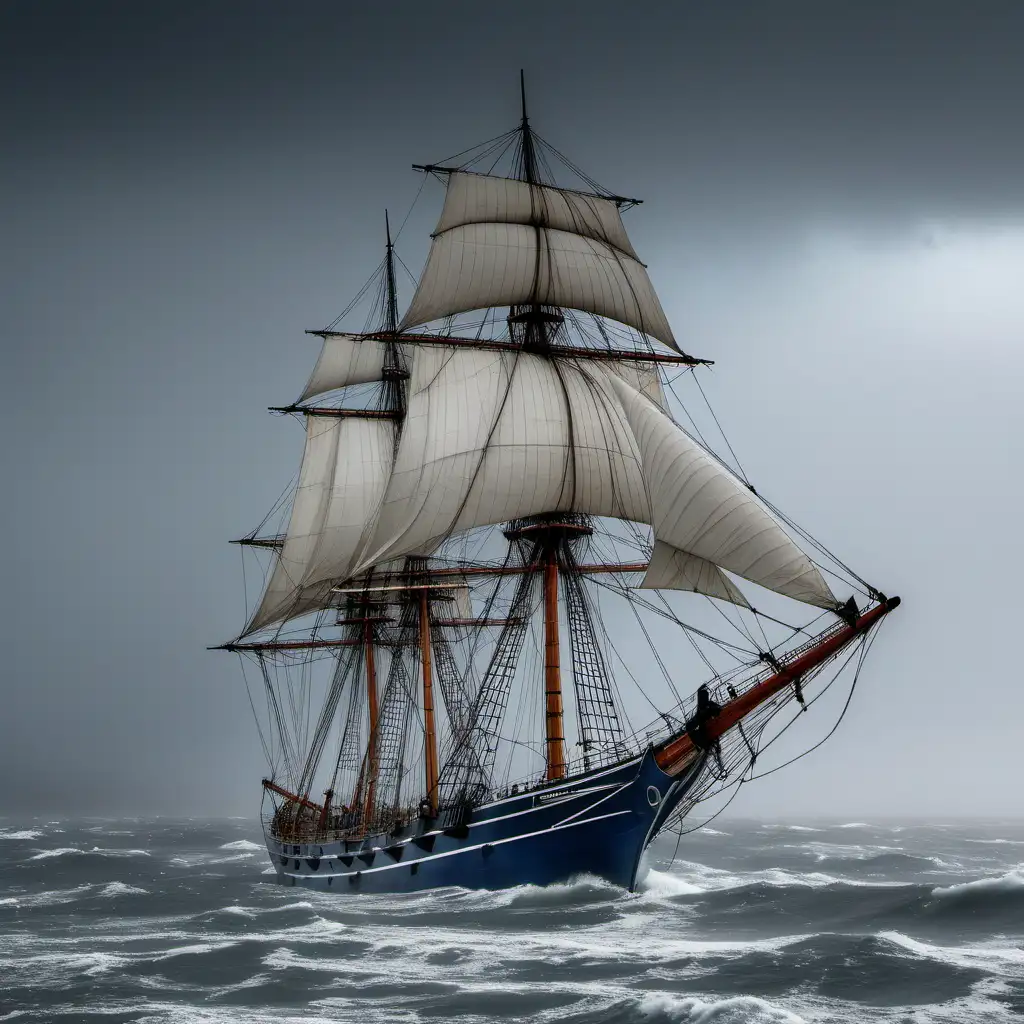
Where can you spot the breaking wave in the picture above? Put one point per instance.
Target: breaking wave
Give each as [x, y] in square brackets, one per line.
[1011, 882]
[73, 851]
[762, 925]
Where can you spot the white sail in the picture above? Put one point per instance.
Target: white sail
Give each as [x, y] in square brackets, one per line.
[493, 436]
[642, 377]
[345, 469]
[701, 509]
[487, 199]
[672, 569]
[345, 359]
[474, 266]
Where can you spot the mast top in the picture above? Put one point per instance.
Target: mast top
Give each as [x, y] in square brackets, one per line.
[529, 156]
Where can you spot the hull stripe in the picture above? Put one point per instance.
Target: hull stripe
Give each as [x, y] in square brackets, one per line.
[453, 853]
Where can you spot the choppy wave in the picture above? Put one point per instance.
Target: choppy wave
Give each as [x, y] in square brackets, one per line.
[25, 833]
[753, 923]
[242, 844]
[1011, 882]
[96, 851]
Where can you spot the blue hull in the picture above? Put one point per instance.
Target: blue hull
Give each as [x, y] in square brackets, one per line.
[599, 823]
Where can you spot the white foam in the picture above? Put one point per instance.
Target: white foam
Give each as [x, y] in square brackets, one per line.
[202, 860]
[241, 844]
[47, 899]
[1005, 960]
[1012, 881]
[998, 842]
[854, 824]
[67, 851]
[662, 883]
[62, 851]
[695, 1010]
[196, 949]
[25, 833]
[712, 831]
[122, 889]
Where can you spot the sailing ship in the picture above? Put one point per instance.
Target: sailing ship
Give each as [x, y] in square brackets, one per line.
[504, 543]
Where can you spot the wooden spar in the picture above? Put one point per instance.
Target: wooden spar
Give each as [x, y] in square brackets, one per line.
[371, 701]
[678, 752]
[565, 351]
[326, 410]
[429, 736]
[260, 542]
[552, 674]
[477, 622]
[288, 645]
[281, 791]
[499, 570]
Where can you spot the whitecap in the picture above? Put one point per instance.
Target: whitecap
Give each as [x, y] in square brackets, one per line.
[1012, 881]
[196, 949]
[241, 844]
[712, 831]
[202, 860]
[25, 833]
[998, 842]
[663, 883]
[62, 851]
[732, 1008]
[1008, 961]
[122, 889]
[854, 824]
[47, 899]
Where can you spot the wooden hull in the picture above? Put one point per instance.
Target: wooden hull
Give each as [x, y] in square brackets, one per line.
[598, 823]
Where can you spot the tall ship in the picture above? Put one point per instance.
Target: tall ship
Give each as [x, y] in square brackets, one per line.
[521, 611]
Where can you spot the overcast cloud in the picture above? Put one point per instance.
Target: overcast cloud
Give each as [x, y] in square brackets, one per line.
[834, 212]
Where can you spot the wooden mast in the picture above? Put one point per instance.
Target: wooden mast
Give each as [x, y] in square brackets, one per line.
[429, 735]
[555, 746]
[371, 701]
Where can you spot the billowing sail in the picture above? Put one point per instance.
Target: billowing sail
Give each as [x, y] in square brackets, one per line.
[701, 509]
[503, 243]
[492, 436]
[487, 199]
[345, 469]
[672, 569]
[345, 359]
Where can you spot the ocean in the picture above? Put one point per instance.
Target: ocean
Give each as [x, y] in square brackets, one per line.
[165, 920]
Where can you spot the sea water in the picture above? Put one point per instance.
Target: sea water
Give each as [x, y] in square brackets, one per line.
[181, 921]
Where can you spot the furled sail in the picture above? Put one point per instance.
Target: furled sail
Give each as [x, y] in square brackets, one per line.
[345, 359]
[492, 436]
[503, 243]
[701, 509]
[345, 470]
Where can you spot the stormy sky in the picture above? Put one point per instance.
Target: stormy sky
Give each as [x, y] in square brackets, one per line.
[833, 211]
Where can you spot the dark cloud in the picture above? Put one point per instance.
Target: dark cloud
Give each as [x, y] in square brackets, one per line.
[834, 198]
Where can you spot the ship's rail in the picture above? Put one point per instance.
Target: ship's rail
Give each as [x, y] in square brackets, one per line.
[295, 824]
[673, 721]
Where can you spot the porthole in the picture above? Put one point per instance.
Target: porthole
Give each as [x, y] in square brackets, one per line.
[653, 796]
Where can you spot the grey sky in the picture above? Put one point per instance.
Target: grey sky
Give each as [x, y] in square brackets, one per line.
[834, 212]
